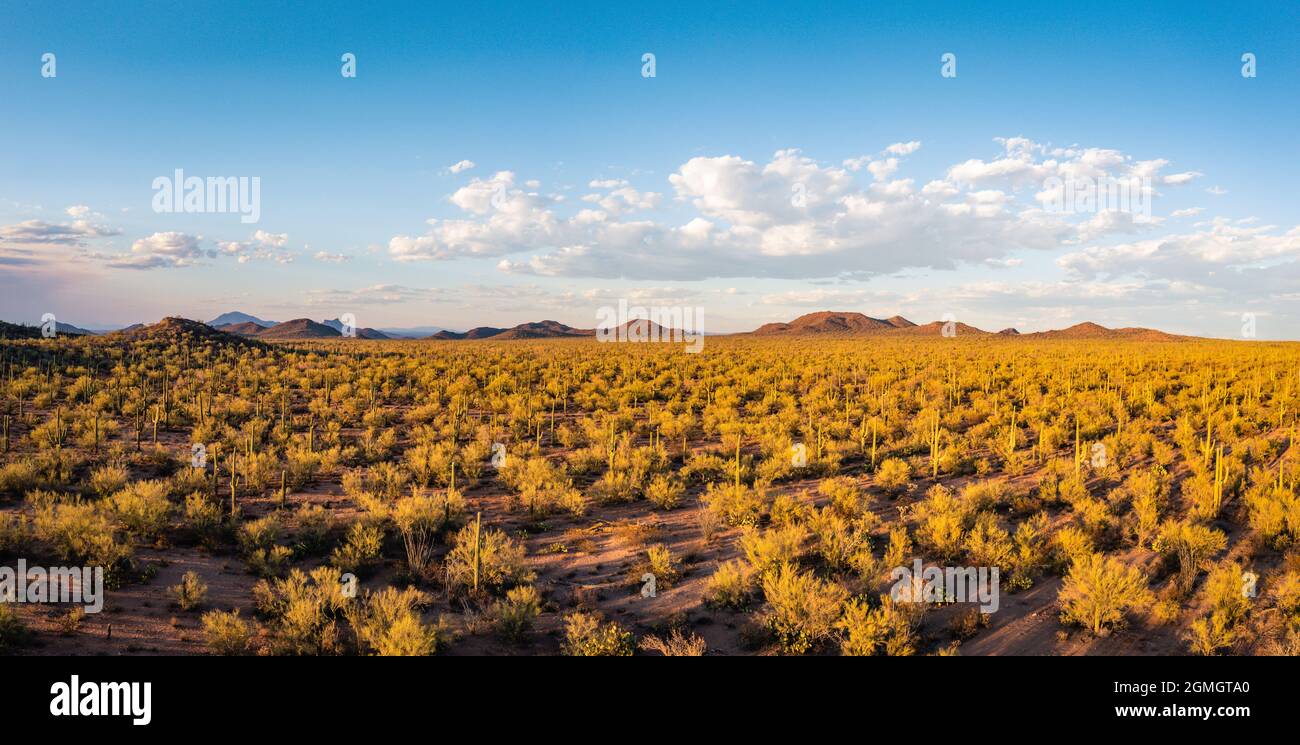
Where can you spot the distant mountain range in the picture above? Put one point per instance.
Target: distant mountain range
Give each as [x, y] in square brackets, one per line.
[67, 328]
[842, 323]
[828, 323]
[299, 328]
[549, 330]
[412, 332]
[235, 317]
[538, 330]
[242, 323]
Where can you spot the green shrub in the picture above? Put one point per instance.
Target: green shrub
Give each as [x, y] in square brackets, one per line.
[730, 585]
[143, 508]
[419, 519]
[226, 633]
[78, 532]
[765, 550]
[844, 495]
[664, 492]
[205, 518]
[500, 562]
[15, 533]
[361, 550]
[1100, 590]
[108, 479]
[18, 478]
[191, 591]
[893, 475]
[13, 632]
[868, 631]
[802, 609]
[258, 544]
[304, 611]
[661, 563]
[388, 624]
[586, 636]
[314, 525]
[515, 615]
[738, 506]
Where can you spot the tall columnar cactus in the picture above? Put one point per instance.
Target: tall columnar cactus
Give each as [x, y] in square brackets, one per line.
[216, 461]
[1078, 450]
[934, 447]
[873, 444]
[738, 438]
[478, 547]
[1220, 479]
[1011, 433]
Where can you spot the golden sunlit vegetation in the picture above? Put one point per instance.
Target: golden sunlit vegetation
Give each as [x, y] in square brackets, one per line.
[569, 497]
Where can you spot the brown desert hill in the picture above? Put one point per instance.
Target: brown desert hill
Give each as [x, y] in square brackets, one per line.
[838, 322]
[936, 328]
[640, 329]
[369, 333]
[480, 332]
[533, 330]
[247, 328]
[1090, 330]
[637, 329]
[299, 328]
[834, 322]
[172, 329]
[359, 333]
[543, 330]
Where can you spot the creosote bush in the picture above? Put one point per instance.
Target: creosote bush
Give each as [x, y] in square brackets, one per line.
[802, 609]
[191, 591]
[587, 635]
[1100, 590]
[388, 623]
[516, 614]
[226, 633]
[499, 561]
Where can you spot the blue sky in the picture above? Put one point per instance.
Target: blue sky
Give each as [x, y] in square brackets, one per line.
[352, 170]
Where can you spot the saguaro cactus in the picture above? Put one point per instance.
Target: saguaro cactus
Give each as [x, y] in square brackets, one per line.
[478, 547]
